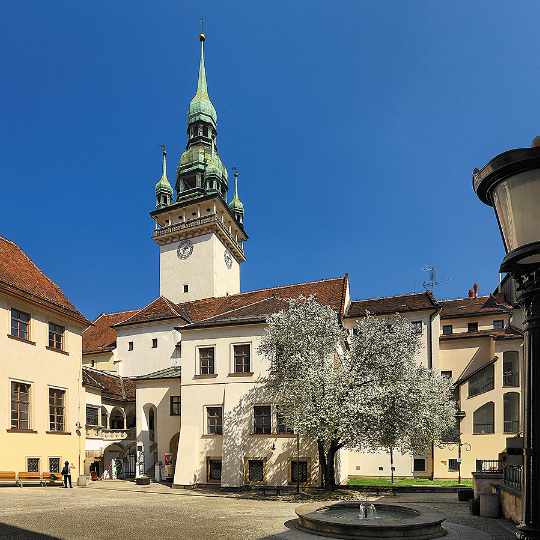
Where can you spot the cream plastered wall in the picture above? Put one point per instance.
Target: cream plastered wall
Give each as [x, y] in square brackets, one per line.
[42, 369]
[203, 271]
[104, 361]
[480, 446]
[156, 394]
[237, 395]
[456, 354]
[485, 322]
[144, 359]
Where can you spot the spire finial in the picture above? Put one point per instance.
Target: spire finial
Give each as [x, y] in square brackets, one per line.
[236, 174]
[201, 83]
[164, 164]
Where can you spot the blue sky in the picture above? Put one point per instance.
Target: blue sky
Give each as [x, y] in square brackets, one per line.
[355, 126]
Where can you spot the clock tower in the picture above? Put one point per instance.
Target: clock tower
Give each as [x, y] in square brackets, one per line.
[200, 236]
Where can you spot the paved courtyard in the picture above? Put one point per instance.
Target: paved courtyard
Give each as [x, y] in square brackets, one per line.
[121, 510]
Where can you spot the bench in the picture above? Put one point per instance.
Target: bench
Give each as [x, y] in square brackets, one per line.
[47, 478]
[28, 478]
[8, 476]
[269, 490]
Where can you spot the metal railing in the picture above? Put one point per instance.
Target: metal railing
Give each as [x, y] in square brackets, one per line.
[196, 222]
[513, 476]
[489, 465]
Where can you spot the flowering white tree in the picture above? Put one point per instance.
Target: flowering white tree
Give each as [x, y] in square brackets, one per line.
[332, 390]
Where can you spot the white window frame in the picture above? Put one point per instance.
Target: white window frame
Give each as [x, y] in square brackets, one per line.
[66, 409]
[205, 420]
[30, 403]
[198, 359]
[231, 356]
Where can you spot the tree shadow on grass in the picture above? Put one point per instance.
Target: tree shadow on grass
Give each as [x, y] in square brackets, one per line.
[10, 531]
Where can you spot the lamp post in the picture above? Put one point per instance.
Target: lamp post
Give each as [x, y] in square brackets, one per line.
[510, 183]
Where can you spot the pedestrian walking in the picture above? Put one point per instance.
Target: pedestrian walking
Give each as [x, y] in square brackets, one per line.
[66, 473]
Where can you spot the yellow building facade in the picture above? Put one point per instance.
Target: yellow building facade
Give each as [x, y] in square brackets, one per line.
[41, 416]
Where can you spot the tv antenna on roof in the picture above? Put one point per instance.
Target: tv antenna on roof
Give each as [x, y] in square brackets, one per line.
[431, 282]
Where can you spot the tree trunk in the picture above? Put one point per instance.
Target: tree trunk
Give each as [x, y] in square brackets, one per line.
[327, 464]
[392, 464]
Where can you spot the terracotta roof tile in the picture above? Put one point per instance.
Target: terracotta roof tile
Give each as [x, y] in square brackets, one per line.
[160, 308]
[19, 274]
[392, 304]
[467, 307]
[112, 386]
[101, 337]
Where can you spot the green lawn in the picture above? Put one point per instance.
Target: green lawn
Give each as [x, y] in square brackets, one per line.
[401, 481]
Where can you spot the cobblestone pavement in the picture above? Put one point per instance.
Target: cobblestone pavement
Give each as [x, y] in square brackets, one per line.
[122, 510]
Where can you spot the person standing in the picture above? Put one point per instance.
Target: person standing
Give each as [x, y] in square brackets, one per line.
[66, 473]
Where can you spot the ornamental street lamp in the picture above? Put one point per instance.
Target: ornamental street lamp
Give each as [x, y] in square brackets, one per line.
[510, 183]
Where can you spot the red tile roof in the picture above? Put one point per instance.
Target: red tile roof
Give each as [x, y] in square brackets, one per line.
[392, 304]
[257, 304]
[101, 337]
[160, 308]
[111, 386]
[469, 307]
[20, 276]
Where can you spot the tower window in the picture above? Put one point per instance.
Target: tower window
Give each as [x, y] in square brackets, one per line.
[190, 182]
[205, 131]
[154, 343]
[130, 345]
[186, 288]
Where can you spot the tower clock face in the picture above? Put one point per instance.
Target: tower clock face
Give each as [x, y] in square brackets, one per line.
[228, 258]
[185, 249]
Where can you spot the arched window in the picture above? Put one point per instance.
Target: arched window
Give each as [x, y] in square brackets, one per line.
[484, 419]
[511, 412]
[117, 419]
[130, 418]
[151, 424]
[511, 368]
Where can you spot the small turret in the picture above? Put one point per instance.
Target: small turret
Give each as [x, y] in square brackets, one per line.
[236, 205]
[164, 190]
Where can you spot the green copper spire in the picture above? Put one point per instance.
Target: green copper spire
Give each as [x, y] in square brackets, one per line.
[236, 205]
[201, 108]
[163, 187]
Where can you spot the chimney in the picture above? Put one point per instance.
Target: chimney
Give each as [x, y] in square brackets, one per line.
[473, 291]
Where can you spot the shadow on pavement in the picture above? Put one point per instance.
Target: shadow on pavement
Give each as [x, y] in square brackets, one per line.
[10, 531]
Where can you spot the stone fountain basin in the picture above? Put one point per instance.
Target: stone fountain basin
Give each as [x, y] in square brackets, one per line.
[340, 520]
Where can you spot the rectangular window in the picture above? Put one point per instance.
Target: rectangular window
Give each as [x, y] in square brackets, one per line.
[92, 414]
[262, 419]
[483, 381]
[154, 343]
[472, 327]
[56, 409]
[417, 327]
[20, 324]
[447, 374]
[419, 465]
[447, 329]
[256, 470]
[186, 288]
[281, 426]
[213, 467]
[20, 405]
[498, 324]
[214, 420]
[32, 464]
[511, 368]
[206, 360]
[56, 336]
[453, 465]
[130, 345]
[242, 360]
[175, 406]
[54, 464]
[299, 471]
